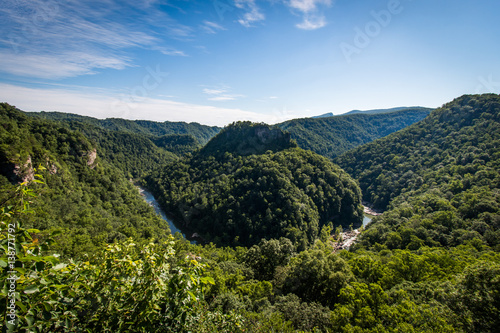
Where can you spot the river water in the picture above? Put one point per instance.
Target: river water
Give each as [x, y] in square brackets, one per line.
[150, 199]
[366, 220]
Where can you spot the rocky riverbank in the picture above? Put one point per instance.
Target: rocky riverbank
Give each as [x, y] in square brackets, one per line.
[345, 240]
[368, 209]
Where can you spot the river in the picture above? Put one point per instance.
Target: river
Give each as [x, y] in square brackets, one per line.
[366, 220]
[150, 199]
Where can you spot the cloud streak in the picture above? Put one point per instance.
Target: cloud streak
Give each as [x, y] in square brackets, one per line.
[220, 95]
[312, 14]
[211, 27]
[77, 38]
[252, 15]
[102, 104]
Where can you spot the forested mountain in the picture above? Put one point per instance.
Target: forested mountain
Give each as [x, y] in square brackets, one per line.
[458, 140]
[396, 109]
[202, 133]
[245, 138]
[130, 145]
[250, 182]
[334, 136]
[329, 137]
[86, 197]
[430, 263]
[441, 174]
[374, 111]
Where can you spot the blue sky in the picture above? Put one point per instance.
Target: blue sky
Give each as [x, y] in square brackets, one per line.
[218, 61]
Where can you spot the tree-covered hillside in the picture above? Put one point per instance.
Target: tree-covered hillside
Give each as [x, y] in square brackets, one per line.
[430, 263]
[250, 183]
[329, 137]
[440, 177]
[459, 140]
[86, 197]
[202, 133]
[333, 136]
[373, 111]
[129, 146]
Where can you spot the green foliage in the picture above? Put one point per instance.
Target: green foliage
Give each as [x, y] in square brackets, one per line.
[454, 148]
[175, 286]
[334, 136]
[477, 300]
[318, 276]
[428, 264]
[440, 175]
[238, 200]
[123, 288]
[86, 198]
[268, 255]
[201, 133]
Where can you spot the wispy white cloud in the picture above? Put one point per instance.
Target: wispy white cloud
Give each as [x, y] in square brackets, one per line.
[170, 51]
[312, 23]
[80, 37]
[308, 5]
[213, 91]
[55, 66]
[102, 104]
[252, 15]
[220, 94]
[311, 11]
[223, 98]
[211, 27]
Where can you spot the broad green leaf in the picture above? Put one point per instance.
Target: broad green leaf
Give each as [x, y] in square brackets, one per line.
[20, 270]
[30, 319]
[31, 289]
[192, 295]
[21, 306]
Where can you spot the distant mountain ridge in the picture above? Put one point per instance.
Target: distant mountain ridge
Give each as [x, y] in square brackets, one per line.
[328, 136]
[334, 136]
[439, 179]
[202, 133]
[373, 111]
[464, 132]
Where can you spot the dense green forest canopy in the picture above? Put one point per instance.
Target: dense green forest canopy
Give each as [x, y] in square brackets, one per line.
[86, 195]
[440, 177]
[135, 147]
[333, 136]
[458, 140]
[251, 182]
[430, 263]
[329, 137]
[202, 133]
